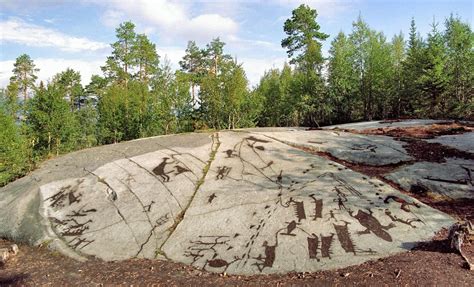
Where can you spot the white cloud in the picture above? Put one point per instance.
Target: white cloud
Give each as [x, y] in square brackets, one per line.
[6, 68]
[18, 31]
[51, 66]
[112, 18]
[28, 5]
[172, 54]
[246, 44]
[50, 20]
[171, 18]
[210, 25]
[325, 8]
[256, 67]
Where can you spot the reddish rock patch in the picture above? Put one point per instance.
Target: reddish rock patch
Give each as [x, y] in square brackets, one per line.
[432, 152]
[365, 169]
[422, 150]
[420, 132]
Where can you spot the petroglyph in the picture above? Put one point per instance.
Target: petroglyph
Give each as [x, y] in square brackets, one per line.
[180, 170]
[372, 224]
[289, 228]
[268, 259]
[326, 242]
[318, 207]
[344, 238]
[405, 205]
[246, 203]
[80, 243]
[160, 170]
[313, 245]
[343, 185]
[395, 218]
[222, 171]
[298, 208]
[211, 198]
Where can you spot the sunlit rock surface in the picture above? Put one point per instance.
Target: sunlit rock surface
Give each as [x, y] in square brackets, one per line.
[242, 202]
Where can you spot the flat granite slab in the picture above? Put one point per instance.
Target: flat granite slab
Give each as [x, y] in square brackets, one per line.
[355, 148]
[464, 142]
[453, 178]
[386, 124]
[241, 202]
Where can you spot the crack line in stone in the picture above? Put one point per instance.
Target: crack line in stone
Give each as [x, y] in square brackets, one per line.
[162, 183]
[152, 231]
[214, 148]
[101, 180]
[139, 200]
[153, 175]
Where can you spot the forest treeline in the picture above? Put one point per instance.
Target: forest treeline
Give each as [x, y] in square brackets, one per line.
[138, 95]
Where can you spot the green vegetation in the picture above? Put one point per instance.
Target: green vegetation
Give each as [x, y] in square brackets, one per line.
[365, 77]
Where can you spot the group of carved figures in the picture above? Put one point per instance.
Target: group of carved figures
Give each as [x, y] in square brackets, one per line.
[318, 246]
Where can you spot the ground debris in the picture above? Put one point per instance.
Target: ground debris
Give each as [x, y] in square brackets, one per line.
[420, 132]
[8, 252]
[461, 234]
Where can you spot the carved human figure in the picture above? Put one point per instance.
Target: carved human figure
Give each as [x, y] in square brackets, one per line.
[222, 171]
[269, 259]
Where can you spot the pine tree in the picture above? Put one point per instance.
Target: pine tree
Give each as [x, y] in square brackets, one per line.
[117, 66]
[460, 67]
[304, 39]
[433, 80]
[69, 82]
[14, 150]
[193, 65]
[303, 44]
[397, 84]
[342, 79]
[52, 124]
[145, 58]
[24, 75]
[412, 69]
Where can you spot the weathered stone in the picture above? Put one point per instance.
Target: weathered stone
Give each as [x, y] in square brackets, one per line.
[363, 149]
[14, 249]
[4, 255]
[453, 178]
[464, 142]
[243, 202]
[7, 253]
[266, 207]
[385, 124]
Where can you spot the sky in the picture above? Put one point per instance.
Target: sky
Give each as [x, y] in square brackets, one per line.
[61, 34]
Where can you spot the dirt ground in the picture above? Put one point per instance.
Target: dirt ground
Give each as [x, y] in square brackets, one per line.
[429, 264]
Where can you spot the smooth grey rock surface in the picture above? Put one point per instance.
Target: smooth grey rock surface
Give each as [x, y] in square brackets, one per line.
[385, 124]
[355, 148]
[464, 142]
[242, 202]
[266, 207]
[453, 178]
[20, 200]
